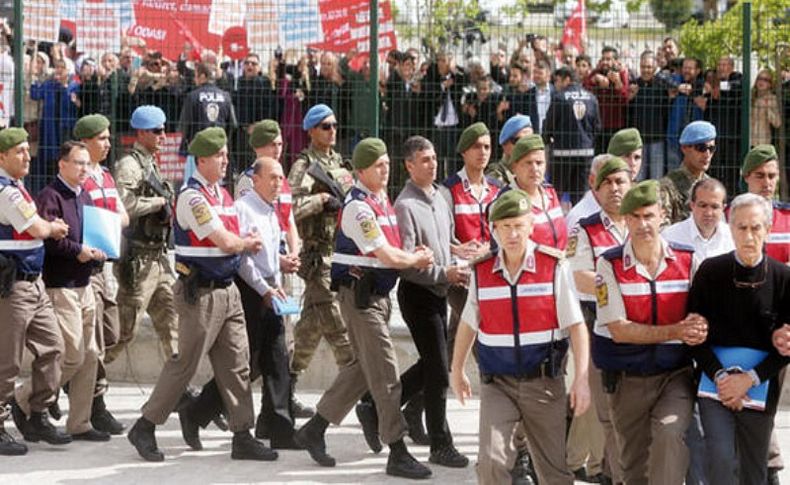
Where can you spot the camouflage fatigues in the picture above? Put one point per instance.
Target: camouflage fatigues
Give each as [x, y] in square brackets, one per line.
[320, 311]
[144, 273]
[676, 192]
[500, 171]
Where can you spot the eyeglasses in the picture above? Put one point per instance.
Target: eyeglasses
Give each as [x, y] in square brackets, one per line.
[702, 148]
[328, 126]
[250, 63]
[749, 284]
[157, 131]
[766, 79]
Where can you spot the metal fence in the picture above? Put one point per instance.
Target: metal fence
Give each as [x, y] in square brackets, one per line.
[444, 64]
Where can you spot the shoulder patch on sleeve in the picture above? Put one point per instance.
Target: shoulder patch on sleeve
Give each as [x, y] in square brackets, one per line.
[24, 207]
[573, 241]
[551, 251]
[200, 209]
[601, 291]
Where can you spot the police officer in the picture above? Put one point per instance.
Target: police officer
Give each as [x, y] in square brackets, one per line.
[698, 143]
[627, 144]
[26, 315]
[512, 131]
[589, 239]
[522, 345]
[208, 245]
[94, 131]
[761, 173]
[641, 291]
[319, 180]
[205, 106]
[144, 273]
[367, 253]
[572, 123]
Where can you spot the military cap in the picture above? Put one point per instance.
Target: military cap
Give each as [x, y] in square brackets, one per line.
[90, 126]
[526, 145]
[624, 142]
[367, 152]
[470, 135]
[697, 132]
[513, 125]
[512, 203]
[148, 117]
[757, 156]
[263, 133]
[11, 137]
[613, 165]
[207, 142]
[642, 194]
[315, 115]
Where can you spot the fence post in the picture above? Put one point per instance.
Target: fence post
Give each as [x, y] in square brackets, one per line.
[747, 78]
[19, 65]
[374, 65]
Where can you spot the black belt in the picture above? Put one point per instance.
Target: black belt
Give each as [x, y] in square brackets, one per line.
[214, 284]
[27, 276]
[543, 370]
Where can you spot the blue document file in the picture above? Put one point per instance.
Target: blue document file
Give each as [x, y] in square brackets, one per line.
[288, 306]
[101, 229]
[745, 358]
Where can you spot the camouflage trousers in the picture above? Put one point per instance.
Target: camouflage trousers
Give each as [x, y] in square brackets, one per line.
[107, 323]
[320, 318]
[152, 292]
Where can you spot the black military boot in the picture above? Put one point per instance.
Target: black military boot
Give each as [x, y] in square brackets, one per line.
[39, 428]
[447, 455]
[311, 437]
[190, 430]
[8, 445]
[102, 419]
[142, 437]
[413, 415]
[369, 419]
[401, 464]
[523, 472]
[19, 417]
[297, 407]
[261, 431]
[245, 447]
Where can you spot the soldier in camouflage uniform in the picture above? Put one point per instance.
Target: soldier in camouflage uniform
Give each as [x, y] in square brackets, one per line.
[512, 131]
[698, 143]
[144, 273]
[319, 181]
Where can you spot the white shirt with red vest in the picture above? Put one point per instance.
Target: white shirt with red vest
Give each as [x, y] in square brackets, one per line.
[101, 187]
[549, 226]
[777, 244]
[367, 229]
[17, 213]
[469, 211]
[592, 236]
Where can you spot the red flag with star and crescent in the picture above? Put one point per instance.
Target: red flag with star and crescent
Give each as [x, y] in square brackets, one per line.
[576, 28]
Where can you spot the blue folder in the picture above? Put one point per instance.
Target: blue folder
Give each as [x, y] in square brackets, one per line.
[747, 359]
[287, 306]
[101, 229]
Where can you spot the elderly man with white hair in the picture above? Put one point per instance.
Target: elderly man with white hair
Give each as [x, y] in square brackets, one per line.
[745, 296]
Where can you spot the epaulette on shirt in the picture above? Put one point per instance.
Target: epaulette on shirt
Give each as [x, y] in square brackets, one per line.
[590, 220]
[485, 257]
[551, 251]
[496, 183]
[680, 247]
[784, 206]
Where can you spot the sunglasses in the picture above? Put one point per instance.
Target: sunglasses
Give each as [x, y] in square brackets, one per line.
[702, 148]
[328, 126]
[751, 285]
[250, 63]
[157, 131]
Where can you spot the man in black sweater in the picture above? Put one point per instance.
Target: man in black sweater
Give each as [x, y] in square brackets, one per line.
[745, 296]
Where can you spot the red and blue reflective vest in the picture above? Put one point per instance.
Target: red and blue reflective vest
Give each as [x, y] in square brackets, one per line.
[471, 215]
[26, 251]
[104, 195]
[777, 244]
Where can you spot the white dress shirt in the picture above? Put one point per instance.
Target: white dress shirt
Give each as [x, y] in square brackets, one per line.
[260, 270]
[686, 232]
[585, 207]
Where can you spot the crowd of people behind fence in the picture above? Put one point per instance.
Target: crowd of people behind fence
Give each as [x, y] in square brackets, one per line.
[657, 91]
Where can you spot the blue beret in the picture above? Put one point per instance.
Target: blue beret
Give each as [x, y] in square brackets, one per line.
[148, 118]
[697, 132]
[315, 115]
[513, 125]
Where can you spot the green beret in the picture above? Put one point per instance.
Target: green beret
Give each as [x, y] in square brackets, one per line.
[470, 136]
[90, 126]
[512, 203]
[263, 133]
[525, 145]
[642, 194]
[11, 137]
[208, 142]
[609, 167]
[624, 142]
[367, 152]
[758, 156]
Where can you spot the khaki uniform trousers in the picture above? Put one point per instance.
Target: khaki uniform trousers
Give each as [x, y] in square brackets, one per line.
[213, 326]
[539, 406]
[650, 416]
[152, 293]
[586, 441]
[28, 320]
[320, 318]
[75, 311]
[374, 369]
[107, 323]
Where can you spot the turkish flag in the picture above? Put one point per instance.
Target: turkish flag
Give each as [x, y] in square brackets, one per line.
[575, 29]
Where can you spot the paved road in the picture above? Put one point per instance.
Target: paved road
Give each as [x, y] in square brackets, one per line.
[117, 462]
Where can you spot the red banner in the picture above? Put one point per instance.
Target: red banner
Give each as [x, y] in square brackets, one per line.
[346, 26]
[167, 25]
[171, 164]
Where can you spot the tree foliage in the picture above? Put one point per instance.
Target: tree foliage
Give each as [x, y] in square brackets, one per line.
[671, 13]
